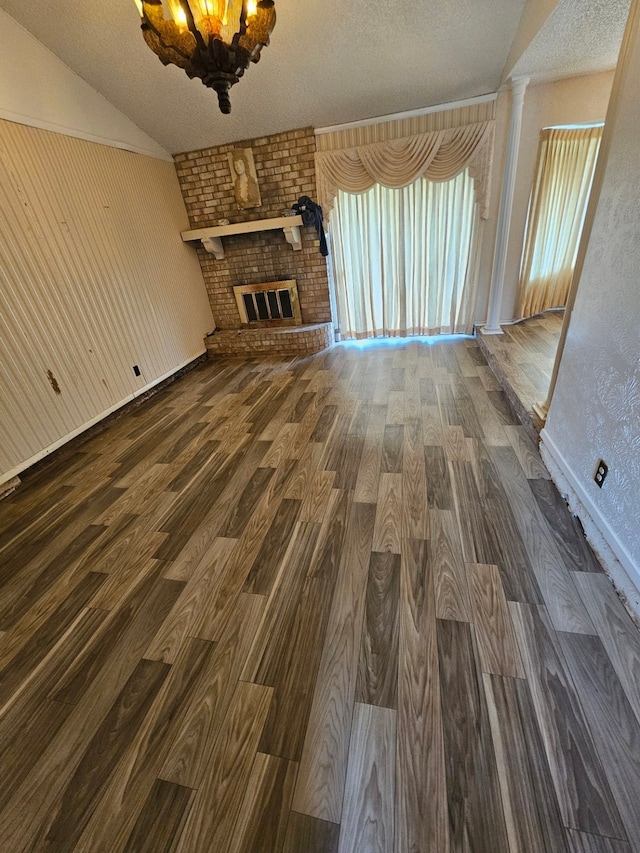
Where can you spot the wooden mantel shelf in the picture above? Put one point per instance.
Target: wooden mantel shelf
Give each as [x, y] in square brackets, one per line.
[211, 238]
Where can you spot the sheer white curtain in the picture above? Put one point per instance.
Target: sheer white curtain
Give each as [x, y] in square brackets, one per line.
[405, 260]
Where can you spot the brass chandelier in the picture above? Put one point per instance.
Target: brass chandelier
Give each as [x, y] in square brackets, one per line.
[214, 40]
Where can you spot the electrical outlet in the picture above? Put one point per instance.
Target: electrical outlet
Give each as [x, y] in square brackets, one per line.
[136, 370]
[601, 473]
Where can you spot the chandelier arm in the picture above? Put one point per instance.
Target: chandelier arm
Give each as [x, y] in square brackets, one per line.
[205, 54]
[191, 24]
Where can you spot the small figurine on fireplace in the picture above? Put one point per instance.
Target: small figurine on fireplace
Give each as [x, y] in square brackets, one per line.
[245, 179]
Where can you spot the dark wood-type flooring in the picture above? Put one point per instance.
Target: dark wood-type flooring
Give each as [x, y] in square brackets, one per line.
[522, 359]
[313, 606]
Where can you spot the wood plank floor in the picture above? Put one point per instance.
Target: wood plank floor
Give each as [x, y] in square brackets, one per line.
[316, 605]
[522, 360]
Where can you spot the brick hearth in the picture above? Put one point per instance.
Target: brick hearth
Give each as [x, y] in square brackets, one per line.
[286, 340]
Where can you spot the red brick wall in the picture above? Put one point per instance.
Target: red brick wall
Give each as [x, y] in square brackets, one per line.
[286, 171]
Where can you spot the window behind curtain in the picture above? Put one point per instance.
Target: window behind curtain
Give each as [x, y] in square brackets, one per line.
[557, 207]
[404, 259]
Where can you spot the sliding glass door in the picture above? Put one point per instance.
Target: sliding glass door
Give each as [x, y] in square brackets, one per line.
[404, 260]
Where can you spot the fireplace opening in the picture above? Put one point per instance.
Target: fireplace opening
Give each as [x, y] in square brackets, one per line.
[269, 304]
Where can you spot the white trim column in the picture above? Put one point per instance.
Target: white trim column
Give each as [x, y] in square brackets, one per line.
[518, 88]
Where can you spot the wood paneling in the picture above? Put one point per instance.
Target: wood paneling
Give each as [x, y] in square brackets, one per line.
[421, 817]
[438, 478]
[497, 644]
[565, 529]
[264, 814]
[273, 637]
[527, 453]
[447, 564]
[388, 530]
[581, 785]
[185, 619]
[293, 671]
[522, 358]
[218, 800]
[326, 558]
[367, 821]
[366, 488]
[516, 570]
[617, 631]
[415, 516]
[311, 835]
[530, 806]
[161, 819]
[614, 726]
[338, 615]
[473, 791]
[378, 665]
[323, 766]
[392, 450]
[191, 746]
[128, 801]
[66, 820]
[582, 842]
[554, 579]
[267, 562]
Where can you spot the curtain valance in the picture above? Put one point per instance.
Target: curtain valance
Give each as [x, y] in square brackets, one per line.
[438, 156]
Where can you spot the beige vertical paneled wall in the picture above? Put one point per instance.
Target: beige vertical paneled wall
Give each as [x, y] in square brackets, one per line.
[94, 278]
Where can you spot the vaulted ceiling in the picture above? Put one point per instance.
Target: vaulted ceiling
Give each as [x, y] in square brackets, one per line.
[328, 62]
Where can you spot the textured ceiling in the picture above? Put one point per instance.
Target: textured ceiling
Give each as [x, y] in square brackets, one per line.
[579, 37]
[327, 63]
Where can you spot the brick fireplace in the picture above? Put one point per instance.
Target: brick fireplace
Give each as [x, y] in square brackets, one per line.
[285, 169]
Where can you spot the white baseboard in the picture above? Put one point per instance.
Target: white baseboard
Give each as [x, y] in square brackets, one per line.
[9, 475]
[611, 552]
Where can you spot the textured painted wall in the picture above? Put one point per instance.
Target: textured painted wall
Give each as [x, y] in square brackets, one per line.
[595, 410]
[286, 170]
[94, 278]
